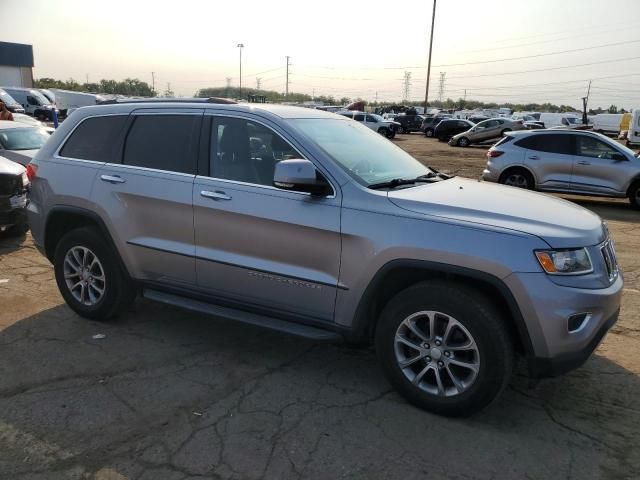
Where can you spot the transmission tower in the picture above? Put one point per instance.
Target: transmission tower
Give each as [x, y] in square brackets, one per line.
[258, 82]
[406, 87]
[441, 86]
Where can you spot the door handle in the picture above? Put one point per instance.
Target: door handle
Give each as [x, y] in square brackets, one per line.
[582, 162]
[217, 195]
[534, 157]
[112, 178]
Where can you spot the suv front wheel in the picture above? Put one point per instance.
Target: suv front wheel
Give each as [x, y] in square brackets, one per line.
[445, 348]
[634, 195]
[89, 276]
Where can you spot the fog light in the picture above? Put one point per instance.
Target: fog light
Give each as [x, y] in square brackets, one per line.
[577, 322]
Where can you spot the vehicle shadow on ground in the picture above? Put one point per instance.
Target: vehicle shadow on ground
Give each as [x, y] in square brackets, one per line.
[80, 393]
[608, 209]
[10, 242]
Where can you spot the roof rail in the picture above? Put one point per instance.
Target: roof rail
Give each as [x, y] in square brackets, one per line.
[167, 100]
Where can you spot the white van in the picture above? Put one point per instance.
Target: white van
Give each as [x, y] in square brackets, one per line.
[551, 120]
[633, 137]
[68, 100]
[33, 102]
[607, 123]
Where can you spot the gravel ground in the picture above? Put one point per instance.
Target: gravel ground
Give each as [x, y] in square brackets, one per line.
[168, 394]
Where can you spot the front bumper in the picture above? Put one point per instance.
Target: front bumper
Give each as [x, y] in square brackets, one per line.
[11, 217]
[546, 308]
[565, 362]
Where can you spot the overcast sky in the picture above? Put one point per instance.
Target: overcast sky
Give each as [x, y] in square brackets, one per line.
[344, 48]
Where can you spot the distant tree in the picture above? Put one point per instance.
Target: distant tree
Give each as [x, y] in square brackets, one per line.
[128, 86]
[344, 100]
[613, 109]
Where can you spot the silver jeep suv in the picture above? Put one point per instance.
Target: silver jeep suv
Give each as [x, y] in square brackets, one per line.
[306, 222]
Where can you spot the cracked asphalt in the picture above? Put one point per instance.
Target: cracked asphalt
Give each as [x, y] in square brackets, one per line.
[169, 394]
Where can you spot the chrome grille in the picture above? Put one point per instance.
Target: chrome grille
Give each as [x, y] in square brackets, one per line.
[609, 255]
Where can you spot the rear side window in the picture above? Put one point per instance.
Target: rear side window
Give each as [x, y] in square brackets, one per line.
[96, 139]
[163, 142]
[562, 144]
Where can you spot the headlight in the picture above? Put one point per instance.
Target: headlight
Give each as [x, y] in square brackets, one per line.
[573, 261]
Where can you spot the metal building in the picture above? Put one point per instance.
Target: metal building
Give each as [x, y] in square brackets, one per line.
[16, 65]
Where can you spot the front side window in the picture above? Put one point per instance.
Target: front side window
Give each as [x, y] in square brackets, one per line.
[592, 147]
[31, 138]
[162, 142]
[372, 119]
[365, 155]
[358, 117]
[96, 139]
[246, 151]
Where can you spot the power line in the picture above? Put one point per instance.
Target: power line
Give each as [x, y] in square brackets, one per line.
[548, 69]
[542, 54]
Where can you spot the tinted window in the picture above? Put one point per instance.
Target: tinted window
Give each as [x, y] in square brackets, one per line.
[371, 118]
[358, 118]
[245, 151]
[592, 147]
[163, 142]
[95, 139]
[464, 125]
[548, 143]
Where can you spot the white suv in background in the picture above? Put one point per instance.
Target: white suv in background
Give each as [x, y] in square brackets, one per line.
[578, 162]
[375, 122]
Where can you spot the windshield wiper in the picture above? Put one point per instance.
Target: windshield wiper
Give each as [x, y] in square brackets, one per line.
[396, 182]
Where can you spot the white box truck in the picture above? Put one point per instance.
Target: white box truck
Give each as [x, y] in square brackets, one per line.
[633, 137]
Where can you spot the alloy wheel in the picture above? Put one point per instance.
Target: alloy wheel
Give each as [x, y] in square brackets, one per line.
[84, 275]
[436, 353]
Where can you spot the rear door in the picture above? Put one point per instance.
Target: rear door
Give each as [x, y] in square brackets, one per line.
[146, 197]
[595, 170]
[256, 245]
[550, 158]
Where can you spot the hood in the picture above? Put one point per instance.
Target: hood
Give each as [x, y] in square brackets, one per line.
[23, 157]
[558, 222]
[10, 168]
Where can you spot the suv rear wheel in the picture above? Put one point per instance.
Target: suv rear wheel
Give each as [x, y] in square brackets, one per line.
[89, 275]
[445, 348]
[429, 132]
[517, 177]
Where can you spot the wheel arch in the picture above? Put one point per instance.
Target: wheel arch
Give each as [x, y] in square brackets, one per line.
[397, 275]
[634, 181]
[64, 218]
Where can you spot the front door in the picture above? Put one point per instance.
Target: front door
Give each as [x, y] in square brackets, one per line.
[256, 245]
[147, 196]
[594, 169]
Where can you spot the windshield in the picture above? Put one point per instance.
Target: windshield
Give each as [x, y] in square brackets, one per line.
[23, 138]
[39, 97]
[574, 120]
[365, 155]
[7, 99]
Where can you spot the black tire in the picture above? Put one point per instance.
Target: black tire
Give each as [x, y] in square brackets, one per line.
[119, 289]
[391, 134]
[401, 129]
[463, 142]
[429, 132]
[489, 331]
[528, 184]
[634, 195]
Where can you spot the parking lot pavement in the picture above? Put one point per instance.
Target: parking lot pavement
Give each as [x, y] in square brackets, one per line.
[162, 393]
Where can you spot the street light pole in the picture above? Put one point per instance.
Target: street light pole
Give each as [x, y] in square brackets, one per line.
[240, 46]
[426, 93]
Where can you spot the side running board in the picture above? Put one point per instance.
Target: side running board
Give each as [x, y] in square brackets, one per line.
[300, 330]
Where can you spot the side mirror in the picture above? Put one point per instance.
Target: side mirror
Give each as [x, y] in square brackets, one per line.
[618, 157]
[299, 175]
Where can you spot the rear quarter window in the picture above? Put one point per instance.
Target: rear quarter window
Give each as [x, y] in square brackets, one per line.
[97, 139]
